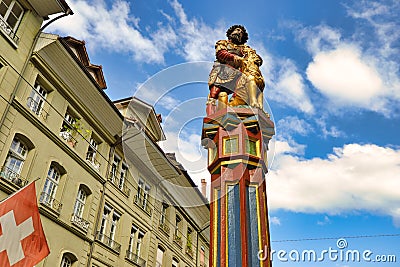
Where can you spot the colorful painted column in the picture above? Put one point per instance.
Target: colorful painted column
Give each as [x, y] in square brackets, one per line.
[237, 142]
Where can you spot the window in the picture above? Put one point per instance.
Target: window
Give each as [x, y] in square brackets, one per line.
[104, 218]
[14, 162]
[37, 99]
[139, 243]
[135, 246]
[175, 262]
[230, 145]
[50, 188]
[160, 256]
[178, 232]
[10, 12]
[124, 170]
[202, 256]
[252, 147]
[132, 238]
[189, 239]
[114, 222]
[114, 168]
[92, 152]
[68, 259]
[108, 228]
[67, 129]
[142, 197]
[178, 222]
[77, 216]
[80, 203]
[163, 216]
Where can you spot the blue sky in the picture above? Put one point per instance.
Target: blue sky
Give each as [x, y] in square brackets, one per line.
[332, 85]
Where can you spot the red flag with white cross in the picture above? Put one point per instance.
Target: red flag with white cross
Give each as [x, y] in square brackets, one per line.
[22, 240]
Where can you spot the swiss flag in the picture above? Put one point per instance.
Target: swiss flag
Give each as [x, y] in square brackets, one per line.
[22, 240]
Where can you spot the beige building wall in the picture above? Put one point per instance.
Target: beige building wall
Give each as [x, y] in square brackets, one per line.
[123, 203]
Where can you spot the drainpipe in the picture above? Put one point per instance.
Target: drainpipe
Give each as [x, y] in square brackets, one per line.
[21, 75]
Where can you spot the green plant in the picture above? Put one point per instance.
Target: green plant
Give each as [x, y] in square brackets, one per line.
[77, 128]
[189, 242]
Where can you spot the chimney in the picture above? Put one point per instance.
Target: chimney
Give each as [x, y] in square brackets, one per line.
[204, 187]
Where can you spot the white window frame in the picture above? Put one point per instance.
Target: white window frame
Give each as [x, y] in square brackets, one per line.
[103, 226]
[139, 243]
[66, 261]
[37, 98]
[15, 159]
[163, 216]
[50, 185]
[131, 244]
[122, 176]
[114, 168]
[92, 151]
[80, 203]
[6, 16]
[160, 256]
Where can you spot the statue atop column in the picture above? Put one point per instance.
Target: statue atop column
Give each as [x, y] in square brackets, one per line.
[236, 70]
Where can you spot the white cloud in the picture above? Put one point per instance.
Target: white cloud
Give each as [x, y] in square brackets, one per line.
[287, 87]
[275, 220]
[197, 38]
[292, 124]
[325, 221]
[344, 77]
[332, 131]
[319, 38]
[353, 178]
[117, 29]
[362, 70]
[113, 28]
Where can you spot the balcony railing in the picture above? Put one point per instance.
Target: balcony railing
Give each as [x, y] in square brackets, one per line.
[8, 31]
[178, 240]
[108, 242]
[67, 136]
[91, 158]
[143, 203]
[50, 202]
[189, 251]
[12, 176]
[81, 223]
[164, 227]
[135, 259]
[115, 179]
[37, 108]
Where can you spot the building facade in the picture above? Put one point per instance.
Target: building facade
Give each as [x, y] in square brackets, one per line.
[108, 195]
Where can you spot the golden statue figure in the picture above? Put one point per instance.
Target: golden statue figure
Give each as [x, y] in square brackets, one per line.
[236, 70]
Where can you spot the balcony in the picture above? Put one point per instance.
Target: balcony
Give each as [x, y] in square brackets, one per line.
[164, 227]
[79, 222]
[6, 29]
[91, 158]
[178, 240]
[143, 203]
[120, 184]
[49, 201]
[116, 247]
[37, 108]
[67, 136]
[132, 257]
[13, 177]
[189, 251]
